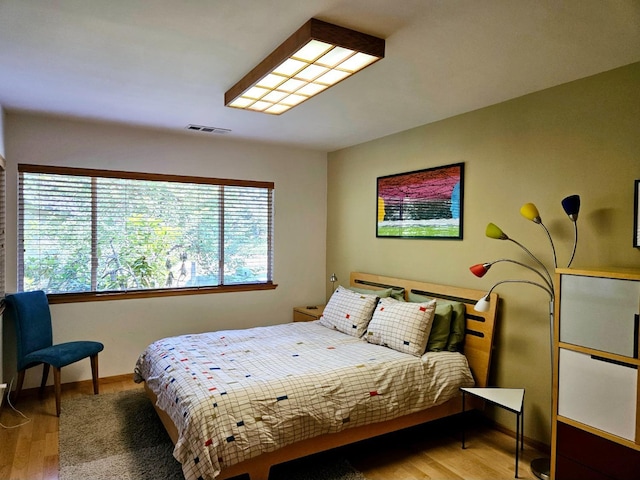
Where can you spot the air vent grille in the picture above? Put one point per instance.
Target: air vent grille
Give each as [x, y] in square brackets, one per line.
[205, 129]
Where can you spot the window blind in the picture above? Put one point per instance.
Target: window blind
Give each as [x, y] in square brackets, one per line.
[86, 230]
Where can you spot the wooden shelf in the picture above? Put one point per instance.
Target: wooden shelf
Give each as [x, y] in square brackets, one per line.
[599, 353]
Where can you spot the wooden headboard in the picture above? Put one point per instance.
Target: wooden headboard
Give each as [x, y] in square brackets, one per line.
[478, 342]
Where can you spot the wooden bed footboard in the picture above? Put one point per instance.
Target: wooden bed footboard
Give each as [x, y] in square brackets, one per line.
[258, 467]
[477, 348]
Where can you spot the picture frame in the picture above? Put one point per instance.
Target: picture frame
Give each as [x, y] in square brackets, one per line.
[636, 214]
[425, 204]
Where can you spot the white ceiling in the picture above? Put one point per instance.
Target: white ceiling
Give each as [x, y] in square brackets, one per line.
[167, 63]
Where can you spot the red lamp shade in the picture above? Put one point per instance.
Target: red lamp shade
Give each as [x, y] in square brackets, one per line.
[479, 269]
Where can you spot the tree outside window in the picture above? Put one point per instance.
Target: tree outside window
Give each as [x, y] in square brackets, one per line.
[99, 231]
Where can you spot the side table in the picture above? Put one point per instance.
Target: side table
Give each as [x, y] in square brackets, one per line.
[307, 314]
[511, 399]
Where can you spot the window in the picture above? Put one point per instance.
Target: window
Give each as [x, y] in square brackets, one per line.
[94, 233]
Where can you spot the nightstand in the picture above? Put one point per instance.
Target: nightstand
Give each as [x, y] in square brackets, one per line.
[511, 399]
[308, 313]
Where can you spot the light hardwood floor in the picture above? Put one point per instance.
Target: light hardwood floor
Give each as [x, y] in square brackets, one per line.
[30, 452]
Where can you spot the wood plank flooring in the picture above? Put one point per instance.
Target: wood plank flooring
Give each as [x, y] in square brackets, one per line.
[432, 451]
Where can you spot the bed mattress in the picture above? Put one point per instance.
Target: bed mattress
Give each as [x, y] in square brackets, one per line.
[236, 394]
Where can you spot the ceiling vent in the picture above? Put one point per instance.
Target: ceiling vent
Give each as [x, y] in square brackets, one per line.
[205, 129]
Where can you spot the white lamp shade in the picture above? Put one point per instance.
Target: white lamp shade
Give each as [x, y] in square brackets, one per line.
[482, 305]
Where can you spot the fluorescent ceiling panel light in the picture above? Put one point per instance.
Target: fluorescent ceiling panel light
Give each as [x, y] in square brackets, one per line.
[317, 56]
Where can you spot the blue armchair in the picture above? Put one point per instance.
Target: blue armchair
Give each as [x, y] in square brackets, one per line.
[30, 312]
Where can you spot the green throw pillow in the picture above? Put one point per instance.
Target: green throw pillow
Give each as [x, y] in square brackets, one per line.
[458, 324]
[398, 294]
[457, 329]
[440, 329]
[384, 293]
[395, 293]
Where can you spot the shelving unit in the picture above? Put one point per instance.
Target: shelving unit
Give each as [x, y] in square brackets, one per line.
[596, 401]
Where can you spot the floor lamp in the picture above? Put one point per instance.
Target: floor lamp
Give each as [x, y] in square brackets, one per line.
[571, 205]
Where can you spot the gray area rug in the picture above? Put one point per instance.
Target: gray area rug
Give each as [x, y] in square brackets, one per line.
[119, 436]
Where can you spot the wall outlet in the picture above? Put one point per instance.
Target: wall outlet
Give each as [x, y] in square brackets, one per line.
[3, 386]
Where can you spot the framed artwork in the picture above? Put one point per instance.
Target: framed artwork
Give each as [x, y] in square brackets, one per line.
[421, 204]
[636, 214]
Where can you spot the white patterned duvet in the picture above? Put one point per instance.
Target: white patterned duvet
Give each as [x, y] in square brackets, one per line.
[236, 394]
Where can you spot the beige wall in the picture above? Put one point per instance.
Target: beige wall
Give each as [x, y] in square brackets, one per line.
[126, 327]
[582, 137]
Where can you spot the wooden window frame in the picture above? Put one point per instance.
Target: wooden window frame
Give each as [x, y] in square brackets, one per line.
[73, 297]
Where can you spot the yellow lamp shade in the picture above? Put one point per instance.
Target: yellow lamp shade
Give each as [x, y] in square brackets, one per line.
[493, 231]
[530, 212]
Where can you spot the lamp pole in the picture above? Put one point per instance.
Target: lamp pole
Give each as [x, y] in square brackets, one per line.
[541, 467]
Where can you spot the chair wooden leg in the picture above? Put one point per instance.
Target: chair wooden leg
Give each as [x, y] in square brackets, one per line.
[58, 388]
[45, 376]
[19, 385]
[94, 374]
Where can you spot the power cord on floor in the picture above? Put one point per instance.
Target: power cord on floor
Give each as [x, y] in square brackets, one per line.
[15, 410]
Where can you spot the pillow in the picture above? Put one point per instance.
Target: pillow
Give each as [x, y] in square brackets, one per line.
[455, 341]
[402, 326]
[348, 312]
[440, 329]
[397, 293]
[458, 327]
[384, 293]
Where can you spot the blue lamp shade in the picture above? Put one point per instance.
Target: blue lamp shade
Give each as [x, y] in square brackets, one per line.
[571, 206]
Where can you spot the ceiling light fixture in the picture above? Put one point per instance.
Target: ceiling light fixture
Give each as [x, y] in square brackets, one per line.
[316, 57]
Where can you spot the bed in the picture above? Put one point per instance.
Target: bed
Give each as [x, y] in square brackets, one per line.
[230, 412]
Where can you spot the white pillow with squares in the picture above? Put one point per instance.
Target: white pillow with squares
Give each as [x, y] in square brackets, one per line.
[402, 326]
[348, 311]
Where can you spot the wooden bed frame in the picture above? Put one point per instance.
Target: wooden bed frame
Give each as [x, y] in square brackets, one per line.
[477, 348]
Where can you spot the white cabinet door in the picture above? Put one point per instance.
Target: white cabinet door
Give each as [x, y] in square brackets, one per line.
[600, 313]
[598, 393]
